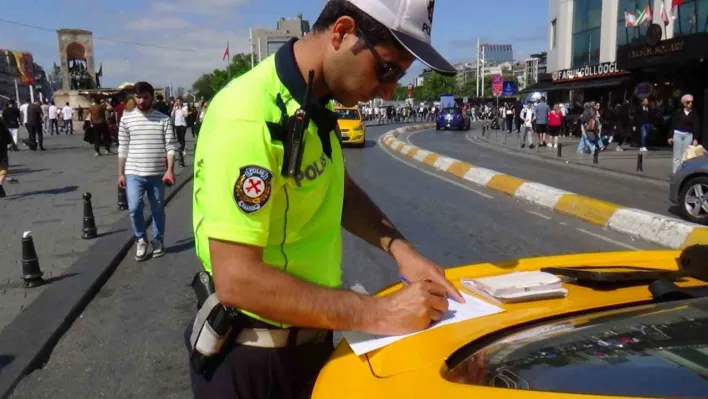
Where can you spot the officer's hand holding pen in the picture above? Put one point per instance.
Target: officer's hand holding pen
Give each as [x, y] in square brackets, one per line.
[413, 308]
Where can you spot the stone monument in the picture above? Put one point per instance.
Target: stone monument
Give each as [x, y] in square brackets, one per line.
[77, 65]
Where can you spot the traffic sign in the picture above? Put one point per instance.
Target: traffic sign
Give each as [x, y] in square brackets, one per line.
[509, 88]
[497, 84]
[410, 91]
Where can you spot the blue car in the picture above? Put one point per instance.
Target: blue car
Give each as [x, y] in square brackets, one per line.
[452, 118]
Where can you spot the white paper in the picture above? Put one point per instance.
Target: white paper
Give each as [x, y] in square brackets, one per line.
[474, 308]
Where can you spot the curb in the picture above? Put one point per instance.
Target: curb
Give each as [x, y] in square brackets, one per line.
[28, 341]
[658, 229]
[564, 161]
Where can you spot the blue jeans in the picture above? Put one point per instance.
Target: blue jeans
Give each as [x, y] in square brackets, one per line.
[681, 143]
[136, 188]
[644, 131]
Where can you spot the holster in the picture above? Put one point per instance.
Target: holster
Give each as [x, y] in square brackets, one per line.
[213, 327]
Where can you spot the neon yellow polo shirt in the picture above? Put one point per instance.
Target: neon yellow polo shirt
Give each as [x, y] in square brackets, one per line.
[240, 194]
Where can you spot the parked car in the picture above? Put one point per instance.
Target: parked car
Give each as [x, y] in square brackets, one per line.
[689, 190]
[452, 118]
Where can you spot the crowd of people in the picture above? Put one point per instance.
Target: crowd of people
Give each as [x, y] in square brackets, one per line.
[639, 124]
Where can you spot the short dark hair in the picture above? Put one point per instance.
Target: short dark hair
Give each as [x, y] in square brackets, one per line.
[160, 97]
[144, 87]
[375, 32]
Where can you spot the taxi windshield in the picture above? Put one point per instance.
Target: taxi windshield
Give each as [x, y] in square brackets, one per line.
[349, 114]
[656, 350]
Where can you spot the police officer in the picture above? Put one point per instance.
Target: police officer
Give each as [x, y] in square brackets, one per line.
[273, 242]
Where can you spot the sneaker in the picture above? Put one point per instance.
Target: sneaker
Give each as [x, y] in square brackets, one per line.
[141, 252]
[643, 149]
[158, 248]
[619, 149]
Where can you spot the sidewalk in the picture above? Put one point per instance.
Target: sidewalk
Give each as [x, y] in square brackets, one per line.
[656, 163]
[47, 199]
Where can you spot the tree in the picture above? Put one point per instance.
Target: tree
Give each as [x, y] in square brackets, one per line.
[210, 83]
[435, 85]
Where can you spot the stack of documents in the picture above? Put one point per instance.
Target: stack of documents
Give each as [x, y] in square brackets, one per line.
[517, 286]
[473, 308]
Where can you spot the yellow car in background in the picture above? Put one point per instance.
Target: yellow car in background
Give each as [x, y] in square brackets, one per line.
[352, 126]
[600, 341]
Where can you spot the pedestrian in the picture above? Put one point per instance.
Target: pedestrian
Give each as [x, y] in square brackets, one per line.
[53, 122]
[99, 126]
[179, 116]
[12, 117]
[5, 141]
[34, 126]
[80, 112]
[542, 110]
[528, 117]
[555, 120]
[685, 127]
[146, 148]
[273, 242]
[23, 111]
[68, 117]
[643, 121]
[45, 117]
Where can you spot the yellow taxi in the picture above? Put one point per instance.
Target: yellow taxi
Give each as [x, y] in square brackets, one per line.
[351, 125]
[603, 339]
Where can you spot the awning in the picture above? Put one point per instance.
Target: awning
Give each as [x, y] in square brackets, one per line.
[593, 83]
[580, 84]
[540, 86]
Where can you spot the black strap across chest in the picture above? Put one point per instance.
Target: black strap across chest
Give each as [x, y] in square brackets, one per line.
[324, 119]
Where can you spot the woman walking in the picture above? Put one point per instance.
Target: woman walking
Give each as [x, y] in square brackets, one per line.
[685, 126]
[555, 120]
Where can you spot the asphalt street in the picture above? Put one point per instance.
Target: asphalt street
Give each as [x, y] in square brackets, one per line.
[628, 191]
[128, 342]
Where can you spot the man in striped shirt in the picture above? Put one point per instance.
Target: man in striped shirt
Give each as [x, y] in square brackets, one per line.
[146, 153]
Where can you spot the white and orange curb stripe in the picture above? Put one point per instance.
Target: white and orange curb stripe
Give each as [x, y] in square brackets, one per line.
[658, 229]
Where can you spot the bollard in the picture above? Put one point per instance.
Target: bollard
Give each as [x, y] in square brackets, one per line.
[122, 199]
[31, 273]
[640, 162]
[560, 150]
[89, 230]
[484, 129]
[595, 154]
[505, 134]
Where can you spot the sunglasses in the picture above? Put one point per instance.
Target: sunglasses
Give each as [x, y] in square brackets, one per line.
[386, 72]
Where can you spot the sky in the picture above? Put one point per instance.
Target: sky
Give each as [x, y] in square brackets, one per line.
[182, 39]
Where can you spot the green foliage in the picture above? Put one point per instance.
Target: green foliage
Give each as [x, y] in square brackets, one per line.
[210, 83]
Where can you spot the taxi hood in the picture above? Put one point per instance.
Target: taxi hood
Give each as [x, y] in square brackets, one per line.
[436, 345]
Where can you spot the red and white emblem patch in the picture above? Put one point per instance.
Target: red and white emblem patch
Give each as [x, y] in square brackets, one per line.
[252, 189]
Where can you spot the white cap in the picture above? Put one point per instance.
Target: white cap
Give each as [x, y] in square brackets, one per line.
[410, 22]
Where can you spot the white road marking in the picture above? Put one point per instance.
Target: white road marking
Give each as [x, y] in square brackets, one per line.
[388, 151]
[619, 244]
[360, 289]
[563, 223]
[540, 215]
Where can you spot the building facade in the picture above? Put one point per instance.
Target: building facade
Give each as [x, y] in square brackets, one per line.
[265, 42]
[594, 56]
[495, 54]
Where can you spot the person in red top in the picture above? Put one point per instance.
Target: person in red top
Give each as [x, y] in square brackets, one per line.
[555, 120]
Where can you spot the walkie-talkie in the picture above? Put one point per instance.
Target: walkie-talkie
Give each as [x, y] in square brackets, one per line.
[296, 132]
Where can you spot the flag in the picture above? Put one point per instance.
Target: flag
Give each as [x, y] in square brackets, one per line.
[676, 3]
[226, 52]
[629, 20]
[664, 15]
[643, 16]
[100, 71]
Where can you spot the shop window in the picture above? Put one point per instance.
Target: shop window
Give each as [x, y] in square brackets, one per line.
[553, 34]
[627, 35]
[587, 18]
[691, 17]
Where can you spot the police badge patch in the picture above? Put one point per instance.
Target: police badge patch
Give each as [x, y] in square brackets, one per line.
[252, 189]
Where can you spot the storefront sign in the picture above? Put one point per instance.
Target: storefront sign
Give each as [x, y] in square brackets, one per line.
[643, 90]
[676, 51]
[590, 71]
[661, 49]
